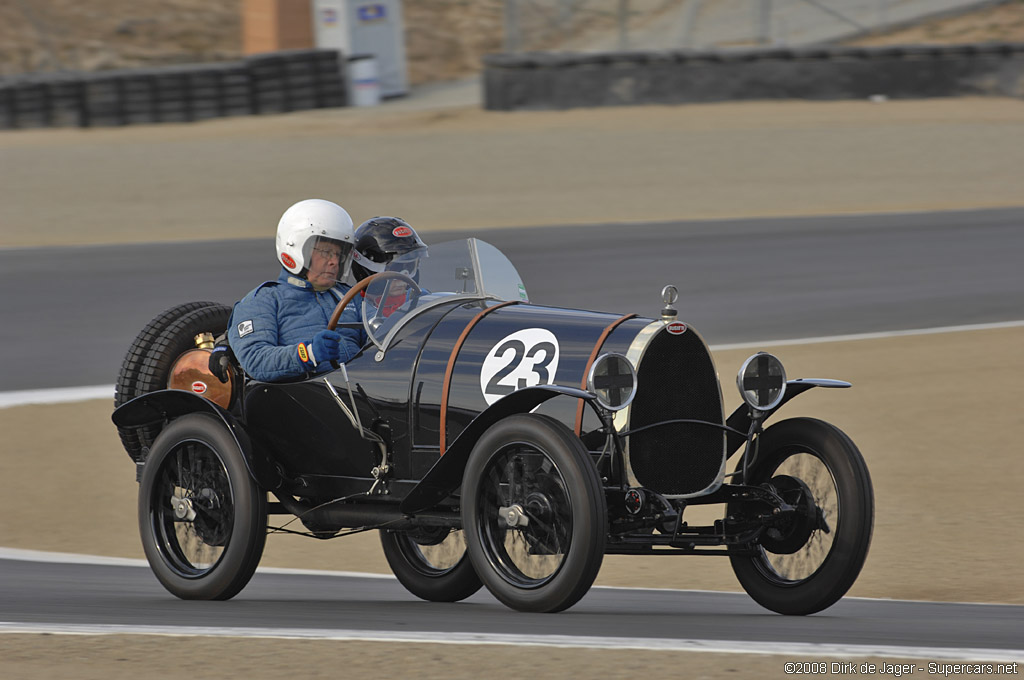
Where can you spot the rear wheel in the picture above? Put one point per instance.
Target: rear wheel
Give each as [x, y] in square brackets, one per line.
[809, 561]
[147, 365]
[202, 518]
[534, 514]
[432, 564]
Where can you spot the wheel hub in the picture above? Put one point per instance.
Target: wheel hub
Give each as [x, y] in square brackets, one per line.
[183, 510]
[794, 530]
[204, 510]
[514, 515]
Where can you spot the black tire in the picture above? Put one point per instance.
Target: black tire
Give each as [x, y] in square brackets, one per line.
[196, 464]
[148, 362]
[535, 467]
[800, 568]
[432, 565]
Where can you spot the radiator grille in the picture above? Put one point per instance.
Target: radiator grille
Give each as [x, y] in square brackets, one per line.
[676, 379]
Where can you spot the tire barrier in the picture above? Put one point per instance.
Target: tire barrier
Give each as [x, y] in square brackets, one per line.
[567, 80]
[276, 82]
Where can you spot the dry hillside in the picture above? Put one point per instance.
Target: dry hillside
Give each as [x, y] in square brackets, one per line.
[444, 38]
[1002, 23]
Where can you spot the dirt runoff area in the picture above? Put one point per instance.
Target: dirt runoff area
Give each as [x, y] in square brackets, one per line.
[467, 168]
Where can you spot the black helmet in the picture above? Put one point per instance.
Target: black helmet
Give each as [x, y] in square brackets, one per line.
[386, 243]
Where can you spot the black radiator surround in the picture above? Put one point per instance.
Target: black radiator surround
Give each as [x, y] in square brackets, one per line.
[676, 380]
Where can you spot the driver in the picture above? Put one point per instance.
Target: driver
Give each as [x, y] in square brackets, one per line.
[388, 244]
[279, 330]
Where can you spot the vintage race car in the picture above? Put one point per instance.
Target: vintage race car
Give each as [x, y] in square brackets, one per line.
[491, 441]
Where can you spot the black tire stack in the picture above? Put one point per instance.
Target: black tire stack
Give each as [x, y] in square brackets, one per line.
[147, 364]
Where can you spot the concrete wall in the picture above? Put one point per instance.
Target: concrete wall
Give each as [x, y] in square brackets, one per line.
[567, 80]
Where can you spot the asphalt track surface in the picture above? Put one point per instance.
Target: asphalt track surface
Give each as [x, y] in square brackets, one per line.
[34, 593]
[70, 313]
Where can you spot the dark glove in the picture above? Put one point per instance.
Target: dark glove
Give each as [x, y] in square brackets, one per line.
[220, 362]
[325, 347]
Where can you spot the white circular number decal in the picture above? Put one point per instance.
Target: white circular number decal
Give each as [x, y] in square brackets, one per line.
[523, 359]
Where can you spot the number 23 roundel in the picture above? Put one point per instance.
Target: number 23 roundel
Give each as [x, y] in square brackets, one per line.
[523, 359]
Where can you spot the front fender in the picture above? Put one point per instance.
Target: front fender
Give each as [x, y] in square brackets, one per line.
[160, 407]
[446, 474]
[740, 418]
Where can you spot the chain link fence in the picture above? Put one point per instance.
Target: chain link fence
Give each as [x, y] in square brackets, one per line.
[608, 25]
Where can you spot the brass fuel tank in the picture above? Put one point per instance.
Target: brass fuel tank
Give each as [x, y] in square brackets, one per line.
[191, 372]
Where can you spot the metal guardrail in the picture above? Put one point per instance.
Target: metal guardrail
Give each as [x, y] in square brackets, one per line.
[277, 82]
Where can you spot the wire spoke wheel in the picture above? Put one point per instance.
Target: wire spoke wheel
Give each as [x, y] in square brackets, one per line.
[193, 510]
[202, 518]
[432, 564]
[523, 483]
[440, 556]
[534, 513]
[810, 558]
[820, 496]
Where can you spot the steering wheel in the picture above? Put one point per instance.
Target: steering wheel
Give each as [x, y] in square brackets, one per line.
[362, 285]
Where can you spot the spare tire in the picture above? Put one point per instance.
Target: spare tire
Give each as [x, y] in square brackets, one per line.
[147, 364]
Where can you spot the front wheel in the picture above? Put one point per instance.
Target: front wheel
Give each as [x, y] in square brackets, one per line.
[202, 518]
[432, 564]
[805, 563]
[534, 514]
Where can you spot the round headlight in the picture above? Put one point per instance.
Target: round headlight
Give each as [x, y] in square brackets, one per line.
[762, 381]
[613, 380]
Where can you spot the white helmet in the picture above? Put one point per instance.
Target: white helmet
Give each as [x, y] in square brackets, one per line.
[304, 224]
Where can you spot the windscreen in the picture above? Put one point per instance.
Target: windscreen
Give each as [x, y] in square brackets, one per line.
[464, 269]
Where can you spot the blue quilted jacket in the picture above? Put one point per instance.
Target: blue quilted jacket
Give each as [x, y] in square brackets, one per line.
[268, 325]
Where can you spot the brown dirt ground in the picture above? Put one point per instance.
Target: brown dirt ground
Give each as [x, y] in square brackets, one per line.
[470, 169]
[134, 657]
[1002, 23]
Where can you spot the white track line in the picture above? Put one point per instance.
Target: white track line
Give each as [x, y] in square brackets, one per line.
[62, 395]
[788, 649]
[872, 336]
[57, 395]
[74, 558]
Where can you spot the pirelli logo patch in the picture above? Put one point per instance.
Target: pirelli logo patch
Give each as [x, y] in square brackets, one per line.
[303, 354]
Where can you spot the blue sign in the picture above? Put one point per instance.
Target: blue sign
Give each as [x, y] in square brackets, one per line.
[374, 12]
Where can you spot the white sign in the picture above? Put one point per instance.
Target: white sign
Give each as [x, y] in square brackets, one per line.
[523, 359]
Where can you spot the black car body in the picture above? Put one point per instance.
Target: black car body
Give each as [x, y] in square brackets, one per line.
[495, 440]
